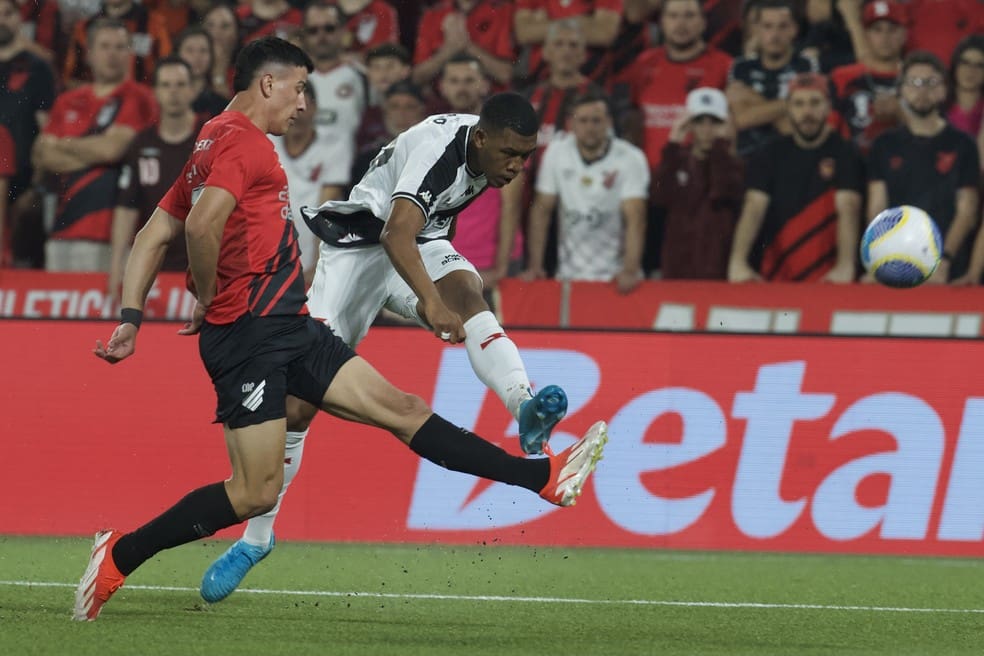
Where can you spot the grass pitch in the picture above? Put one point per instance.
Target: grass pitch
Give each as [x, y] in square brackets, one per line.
[489, 600]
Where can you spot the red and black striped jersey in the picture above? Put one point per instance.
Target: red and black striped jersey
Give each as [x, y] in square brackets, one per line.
[259, 268]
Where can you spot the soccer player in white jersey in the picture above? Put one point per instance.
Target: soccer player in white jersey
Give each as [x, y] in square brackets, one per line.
[341, 90]
[601, 183]
[312, 174]
[389, 246]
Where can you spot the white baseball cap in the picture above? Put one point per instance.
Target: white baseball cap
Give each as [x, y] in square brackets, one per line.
[707, 101]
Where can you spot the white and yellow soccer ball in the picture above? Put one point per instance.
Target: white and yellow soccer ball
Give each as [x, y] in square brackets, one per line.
[901, 247]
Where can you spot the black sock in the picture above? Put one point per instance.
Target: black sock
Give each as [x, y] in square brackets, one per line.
[199, 514]
[457, 449]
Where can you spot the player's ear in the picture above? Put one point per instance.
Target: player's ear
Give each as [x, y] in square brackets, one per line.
[481, 137]
[266, 85]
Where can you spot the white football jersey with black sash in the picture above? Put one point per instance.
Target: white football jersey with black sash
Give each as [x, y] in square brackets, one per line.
[426, 165]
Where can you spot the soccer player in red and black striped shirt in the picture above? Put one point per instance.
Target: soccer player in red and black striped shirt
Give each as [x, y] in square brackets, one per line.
[258, 343]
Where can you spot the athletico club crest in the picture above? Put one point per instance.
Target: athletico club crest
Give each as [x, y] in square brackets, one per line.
[827, 168]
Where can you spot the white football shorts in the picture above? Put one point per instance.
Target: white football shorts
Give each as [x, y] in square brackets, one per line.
[351, 285]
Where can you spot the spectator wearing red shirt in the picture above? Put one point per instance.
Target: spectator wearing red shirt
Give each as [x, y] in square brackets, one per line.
[260, 18]
[663, 76]
[938, 25]
[481, 28]
[659, 83]
[89, 130]
[369, 23]
[599, 21]
[149, 41]
[866, 102]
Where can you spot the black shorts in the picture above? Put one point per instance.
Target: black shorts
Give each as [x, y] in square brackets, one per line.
[256, 362]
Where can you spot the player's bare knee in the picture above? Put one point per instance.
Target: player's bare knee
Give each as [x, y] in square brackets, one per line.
[412, 411]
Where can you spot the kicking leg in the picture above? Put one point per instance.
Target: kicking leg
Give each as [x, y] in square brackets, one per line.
[359, 393]
[255, 453]
[497, 363]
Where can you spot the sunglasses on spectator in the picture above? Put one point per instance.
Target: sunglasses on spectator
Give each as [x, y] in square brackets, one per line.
[314, 29]
[923, 82]
[970, 62]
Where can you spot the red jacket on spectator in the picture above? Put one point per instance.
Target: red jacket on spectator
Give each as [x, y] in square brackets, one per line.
[373, 25]
[489, 26]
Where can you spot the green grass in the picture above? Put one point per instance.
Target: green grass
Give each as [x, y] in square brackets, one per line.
[35, 619]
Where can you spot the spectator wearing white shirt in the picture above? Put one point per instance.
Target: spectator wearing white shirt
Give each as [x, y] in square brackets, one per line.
[601, 183]
[341, 89]
[313, 176]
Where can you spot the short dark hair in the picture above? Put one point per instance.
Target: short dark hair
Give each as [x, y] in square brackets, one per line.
[191, 32]
[405, 88]
[170, 60]
[383, 50]
[917, 57]
[268, 50]
[777, 4]
[591, 96]
[463, 58]
[509, 110]
[103, 23]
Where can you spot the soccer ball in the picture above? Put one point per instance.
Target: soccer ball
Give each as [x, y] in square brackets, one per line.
[901, 247]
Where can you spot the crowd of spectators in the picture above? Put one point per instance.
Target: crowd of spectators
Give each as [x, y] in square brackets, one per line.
[724, 139]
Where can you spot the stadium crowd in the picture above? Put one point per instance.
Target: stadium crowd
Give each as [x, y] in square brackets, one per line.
[723, 139]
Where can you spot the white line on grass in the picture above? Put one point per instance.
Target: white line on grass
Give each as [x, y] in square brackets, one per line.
[529, 600]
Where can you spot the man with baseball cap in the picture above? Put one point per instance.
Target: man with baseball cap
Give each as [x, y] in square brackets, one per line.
[866, 99]
[699, 182]
[801, 216]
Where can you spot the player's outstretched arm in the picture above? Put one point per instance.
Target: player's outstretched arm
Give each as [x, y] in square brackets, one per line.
[142, 267]
[399, 238]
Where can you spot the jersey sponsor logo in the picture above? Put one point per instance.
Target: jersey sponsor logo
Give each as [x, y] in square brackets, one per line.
[586, 180]
[203, 145]
[944, 161]
[326, 116]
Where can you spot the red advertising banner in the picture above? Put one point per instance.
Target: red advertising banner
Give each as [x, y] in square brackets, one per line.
[859, 309]
[813, 444]
[666, 306]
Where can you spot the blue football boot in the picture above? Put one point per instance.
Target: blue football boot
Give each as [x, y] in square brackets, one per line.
[227, 572]
[538, 416]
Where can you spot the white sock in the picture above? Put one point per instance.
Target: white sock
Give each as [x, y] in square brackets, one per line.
[259, 529]
[496, 361]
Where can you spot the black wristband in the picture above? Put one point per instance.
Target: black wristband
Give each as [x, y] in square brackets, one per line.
[131, 315]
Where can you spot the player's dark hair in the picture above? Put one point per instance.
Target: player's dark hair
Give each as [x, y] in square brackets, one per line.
[268, 50]
[509, 110]
[170, 60]
[383, 50]
[103, 23]
[464, 58]
[917, 57]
